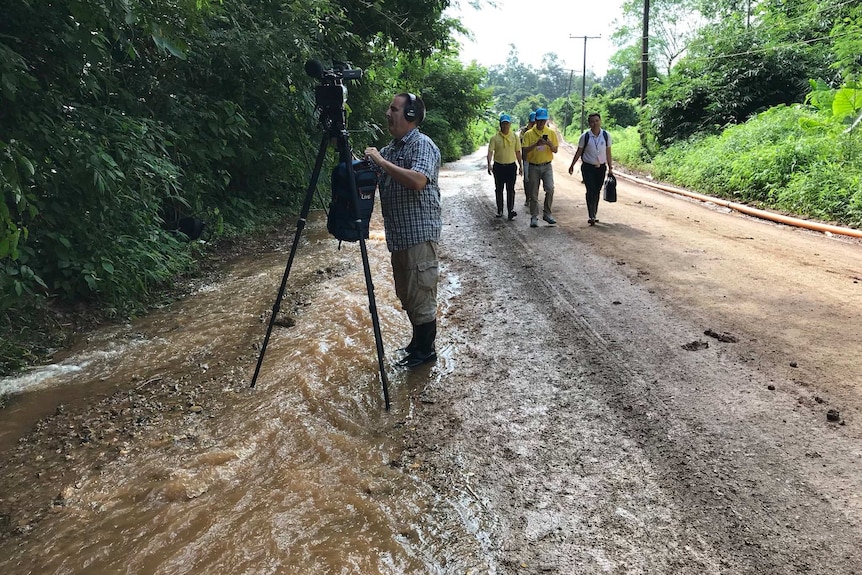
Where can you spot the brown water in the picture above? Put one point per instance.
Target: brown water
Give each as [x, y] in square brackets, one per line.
[295, 476]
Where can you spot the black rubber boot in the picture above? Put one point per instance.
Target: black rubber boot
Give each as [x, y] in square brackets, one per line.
[410, 347]
[424, 351]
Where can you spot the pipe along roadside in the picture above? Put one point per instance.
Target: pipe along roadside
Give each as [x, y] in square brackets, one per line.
[763, 214]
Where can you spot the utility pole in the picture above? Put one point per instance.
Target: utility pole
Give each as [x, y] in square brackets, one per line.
[568, 99]
[584, 78]
[645, 55]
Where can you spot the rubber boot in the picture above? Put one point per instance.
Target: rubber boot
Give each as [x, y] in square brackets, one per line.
[424, 352]
[410, 347]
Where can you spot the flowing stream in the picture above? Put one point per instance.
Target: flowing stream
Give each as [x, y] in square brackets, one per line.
[299, 475]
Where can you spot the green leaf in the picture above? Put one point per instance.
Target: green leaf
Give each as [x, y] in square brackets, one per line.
[847, 102]
[165, 44]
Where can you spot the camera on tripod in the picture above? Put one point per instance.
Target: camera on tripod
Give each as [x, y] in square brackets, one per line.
[331, 94]
[353, 185]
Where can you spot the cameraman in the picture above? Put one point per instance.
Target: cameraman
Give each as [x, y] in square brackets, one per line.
[410, 201]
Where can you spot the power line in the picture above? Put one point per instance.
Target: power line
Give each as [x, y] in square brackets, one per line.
[765, 49]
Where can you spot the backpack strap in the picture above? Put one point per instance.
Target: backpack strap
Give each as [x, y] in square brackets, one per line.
[584, 138]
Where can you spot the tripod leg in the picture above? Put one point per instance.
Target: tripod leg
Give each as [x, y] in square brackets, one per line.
[375, 320]
[300, 225]
[347, 158]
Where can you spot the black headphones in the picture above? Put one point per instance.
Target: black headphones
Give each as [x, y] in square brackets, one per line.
[410, 109]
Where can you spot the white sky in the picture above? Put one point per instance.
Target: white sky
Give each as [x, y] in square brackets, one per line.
[537, 27]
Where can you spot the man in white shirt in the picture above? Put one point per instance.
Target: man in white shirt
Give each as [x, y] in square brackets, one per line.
[594, 151]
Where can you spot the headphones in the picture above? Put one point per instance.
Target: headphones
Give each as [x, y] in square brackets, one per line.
[410, 109]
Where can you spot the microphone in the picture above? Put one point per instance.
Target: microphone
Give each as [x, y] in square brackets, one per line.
[314, 68]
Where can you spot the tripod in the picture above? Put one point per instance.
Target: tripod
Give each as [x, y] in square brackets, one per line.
[335, 130]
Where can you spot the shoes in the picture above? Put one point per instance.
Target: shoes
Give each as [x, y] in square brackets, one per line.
[412, 346]
[417, 358]
[591, 221]
[500, 214]
[512, 215]
[423, 345]
[534, 222]
[527, 204]
[549, 219]
[409, 348]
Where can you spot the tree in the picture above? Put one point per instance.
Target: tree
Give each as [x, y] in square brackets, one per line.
[117, 117]
[672, 26]
[732, 71]
[553, 80]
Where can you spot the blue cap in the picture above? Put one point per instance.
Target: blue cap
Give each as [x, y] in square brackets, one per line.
[505, 118]
[541, 114]
[532, 116]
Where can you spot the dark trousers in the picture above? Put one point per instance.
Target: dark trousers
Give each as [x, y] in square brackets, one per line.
[505, 175]
[593, 179]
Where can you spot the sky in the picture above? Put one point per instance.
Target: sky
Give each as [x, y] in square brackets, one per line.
[510, 23]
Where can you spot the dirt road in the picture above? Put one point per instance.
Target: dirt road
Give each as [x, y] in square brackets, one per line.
[599, 429]
[580, 420]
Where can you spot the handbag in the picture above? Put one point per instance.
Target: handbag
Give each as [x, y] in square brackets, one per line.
[610, 192]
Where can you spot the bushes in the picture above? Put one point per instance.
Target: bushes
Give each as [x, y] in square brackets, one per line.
[827, 191]
[788, 158]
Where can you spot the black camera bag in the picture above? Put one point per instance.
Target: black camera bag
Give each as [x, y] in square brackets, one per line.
[610, 193]
[341, 221]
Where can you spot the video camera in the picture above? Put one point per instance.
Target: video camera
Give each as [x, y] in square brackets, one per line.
[331, 93]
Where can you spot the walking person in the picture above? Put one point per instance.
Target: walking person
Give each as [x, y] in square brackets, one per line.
[505, 150]
[410, 201]
[522, 131]
[540, 145]
[594, 150]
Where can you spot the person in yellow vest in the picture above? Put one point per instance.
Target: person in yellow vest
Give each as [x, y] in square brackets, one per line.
[505, 150]
[540, 144]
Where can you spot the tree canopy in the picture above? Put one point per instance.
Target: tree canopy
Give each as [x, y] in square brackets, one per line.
[119, 117]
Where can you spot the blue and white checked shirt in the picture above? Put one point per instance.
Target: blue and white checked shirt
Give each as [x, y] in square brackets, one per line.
[411, 217]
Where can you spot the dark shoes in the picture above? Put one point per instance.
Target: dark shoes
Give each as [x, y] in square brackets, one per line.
[421, 348]
[410, 347]
[500, 214]
[417, 358]
[512, 215]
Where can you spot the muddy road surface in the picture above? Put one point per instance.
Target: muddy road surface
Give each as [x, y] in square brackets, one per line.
[675, 390]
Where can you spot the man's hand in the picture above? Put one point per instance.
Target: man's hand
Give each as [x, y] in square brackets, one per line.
[373, 154]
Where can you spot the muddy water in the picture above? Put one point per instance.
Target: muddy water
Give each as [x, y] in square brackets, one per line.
[299, 475]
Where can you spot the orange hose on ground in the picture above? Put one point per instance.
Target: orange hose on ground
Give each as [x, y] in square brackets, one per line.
[763, 214]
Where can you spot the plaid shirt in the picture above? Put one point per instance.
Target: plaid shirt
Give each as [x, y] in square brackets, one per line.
[411, 217]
